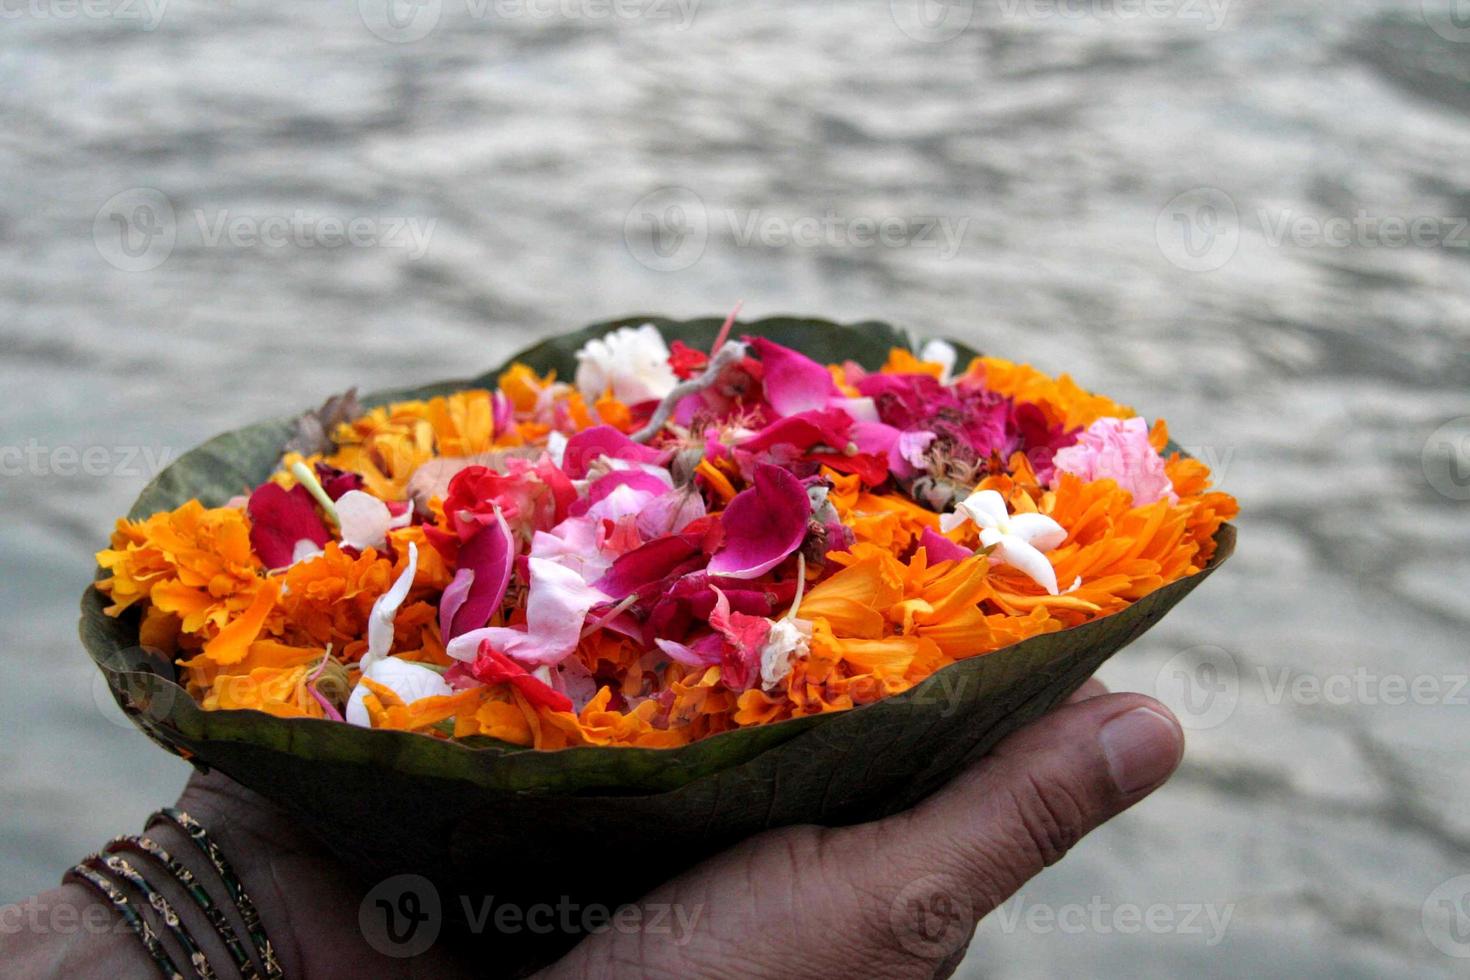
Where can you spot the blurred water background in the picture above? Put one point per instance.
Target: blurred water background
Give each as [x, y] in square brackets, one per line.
[1247, 217]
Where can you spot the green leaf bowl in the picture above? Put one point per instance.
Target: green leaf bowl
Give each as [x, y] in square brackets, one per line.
[601, 825]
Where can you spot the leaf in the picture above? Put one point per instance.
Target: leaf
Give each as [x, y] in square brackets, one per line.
[314, 429]
[594, 824]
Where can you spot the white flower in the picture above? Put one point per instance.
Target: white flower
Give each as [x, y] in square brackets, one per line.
[385, 610]
[789, 639]
[941, 352]
[1019, 540]
[408, 680]
[632, 361]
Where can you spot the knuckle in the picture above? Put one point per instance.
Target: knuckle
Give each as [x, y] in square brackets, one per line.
[1050, 817]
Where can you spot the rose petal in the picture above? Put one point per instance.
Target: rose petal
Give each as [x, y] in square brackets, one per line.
[590, 445]
[556, 610]
[939, 548]
[490, 556]
[280, 519]
[762, 525]
[793, 382]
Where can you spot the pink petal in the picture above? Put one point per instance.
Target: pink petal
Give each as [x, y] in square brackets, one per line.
[704, 652]
[589, 445]
[453, 598]
[280, 519]
[647, 565]
[762, 525]
[490, 556]
[940, 548]
[555, 612]
[671, 513]
[830, 427]
[792, 382]
[642, 481]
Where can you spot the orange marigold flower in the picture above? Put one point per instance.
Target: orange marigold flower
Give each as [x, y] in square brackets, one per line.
[193, 562]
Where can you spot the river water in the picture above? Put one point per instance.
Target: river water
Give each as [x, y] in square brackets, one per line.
[1247, 217]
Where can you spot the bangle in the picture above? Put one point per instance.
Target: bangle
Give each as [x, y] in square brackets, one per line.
[212, 912]
[156, 901]
[195, 831]
[114, 896]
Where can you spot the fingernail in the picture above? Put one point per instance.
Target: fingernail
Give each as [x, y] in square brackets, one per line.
[1141, 747]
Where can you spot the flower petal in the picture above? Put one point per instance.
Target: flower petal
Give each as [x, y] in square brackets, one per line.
[940, 548]
[280, 519]
[590, 445]
[1040, 531]
[408, 680]
[1016, 552]
[792, 382]
[556, 610]
[363, 519]
[762, 525]
[385, 610]
[490, 557]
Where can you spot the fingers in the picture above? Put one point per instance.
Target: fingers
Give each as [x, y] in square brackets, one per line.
[964, 851]
[900, 897]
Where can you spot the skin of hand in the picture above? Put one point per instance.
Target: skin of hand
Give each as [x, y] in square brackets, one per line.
[898, 897]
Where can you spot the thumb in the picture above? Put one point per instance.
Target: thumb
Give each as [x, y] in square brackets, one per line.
[961, 853]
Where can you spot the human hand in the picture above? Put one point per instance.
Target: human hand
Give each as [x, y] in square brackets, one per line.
[898, 897]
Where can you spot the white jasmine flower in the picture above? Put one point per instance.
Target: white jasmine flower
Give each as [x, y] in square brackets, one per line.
[1019, 540]
[788, 640]
[632, 361]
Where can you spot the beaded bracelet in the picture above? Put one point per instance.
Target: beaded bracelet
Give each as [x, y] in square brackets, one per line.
[84, 875]
[195, 831]
[212, 912]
